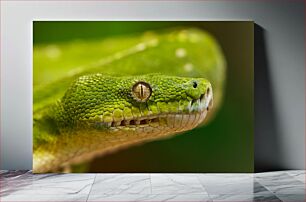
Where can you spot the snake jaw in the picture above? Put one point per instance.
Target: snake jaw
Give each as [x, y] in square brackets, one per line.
[193, 115]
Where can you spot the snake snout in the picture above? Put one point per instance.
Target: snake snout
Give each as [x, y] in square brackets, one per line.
[197, 88]
[203, 101]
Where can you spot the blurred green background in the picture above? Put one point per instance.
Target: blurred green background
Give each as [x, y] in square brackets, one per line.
[224, 145]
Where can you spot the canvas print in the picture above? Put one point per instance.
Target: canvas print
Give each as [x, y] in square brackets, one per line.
[142, 96]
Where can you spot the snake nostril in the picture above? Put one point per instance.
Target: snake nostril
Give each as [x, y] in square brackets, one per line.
[195, 84]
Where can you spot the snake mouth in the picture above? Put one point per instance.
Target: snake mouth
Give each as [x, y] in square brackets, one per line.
[187, 118]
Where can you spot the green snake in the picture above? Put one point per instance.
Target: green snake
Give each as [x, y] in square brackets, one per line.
[143, 88]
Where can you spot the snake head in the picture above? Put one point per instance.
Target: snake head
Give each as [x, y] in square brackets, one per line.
[152, 104]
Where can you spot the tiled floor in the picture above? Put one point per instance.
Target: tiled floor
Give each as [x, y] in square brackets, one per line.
[271, 186]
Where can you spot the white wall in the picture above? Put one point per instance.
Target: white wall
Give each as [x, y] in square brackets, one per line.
[283, 22]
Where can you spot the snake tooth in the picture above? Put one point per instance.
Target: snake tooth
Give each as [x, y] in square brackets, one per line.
[126, 122]
[117, 123]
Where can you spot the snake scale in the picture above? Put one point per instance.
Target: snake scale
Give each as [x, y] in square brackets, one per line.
[154, 86]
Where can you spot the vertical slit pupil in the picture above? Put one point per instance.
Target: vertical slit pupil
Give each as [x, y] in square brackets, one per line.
[195, 84]
[141, 90]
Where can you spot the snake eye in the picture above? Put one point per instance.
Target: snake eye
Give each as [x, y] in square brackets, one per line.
[141, 91]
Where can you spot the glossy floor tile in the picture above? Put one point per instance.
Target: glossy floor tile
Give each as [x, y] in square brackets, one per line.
[281, 183]
[120, 184]
[286, 186]
[238, 184]
[41, 198]
[298, 175]
[176, 184]
[47, 184]
[151, 197]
